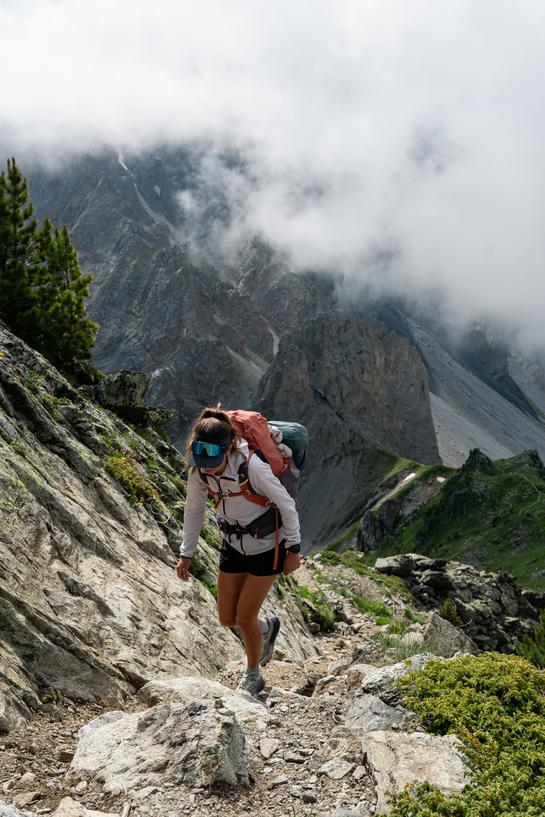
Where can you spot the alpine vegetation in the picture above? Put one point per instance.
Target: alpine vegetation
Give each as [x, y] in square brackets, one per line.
[42, 288]
[496, 705]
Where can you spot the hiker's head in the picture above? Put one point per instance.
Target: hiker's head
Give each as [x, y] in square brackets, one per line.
[212, 437]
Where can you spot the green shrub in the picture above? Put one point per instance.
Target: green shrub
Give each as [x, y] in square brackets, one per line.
[211, 535]
[496, 705]
[397, 627]
[449, 612]
[322, 613]
[211, 586]
[18, 448]
[374, 608]
[122, 468]
[533, 646]
[414, 617]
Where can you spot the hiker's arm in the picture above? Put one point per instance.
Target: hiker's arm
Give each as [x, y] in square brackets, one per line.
[195, 507]
[265, 483]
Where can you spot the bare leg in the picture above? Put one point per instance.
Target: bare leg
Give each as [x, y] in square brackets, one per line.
[251, 598]
[229, 588]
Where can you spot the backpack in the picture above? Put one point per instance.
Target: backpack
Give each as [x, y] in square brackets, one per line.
[283, 445]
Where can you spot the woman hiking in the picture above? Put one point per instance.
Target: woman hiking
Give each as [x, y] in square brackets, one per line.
[258, 543]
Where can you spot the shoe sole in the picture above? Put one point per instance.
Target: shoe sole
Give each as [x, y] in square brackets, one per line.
[268, 655]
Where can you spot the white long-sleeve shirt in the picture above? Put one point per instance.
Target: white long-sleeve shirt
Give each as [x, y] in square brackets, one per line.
[237, 509]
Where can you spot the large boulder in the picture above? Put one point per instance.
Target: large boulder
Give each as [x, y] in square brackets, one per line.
[195, 744]
[397, 759]
[365, 678]
[368, 714]
[443, 638]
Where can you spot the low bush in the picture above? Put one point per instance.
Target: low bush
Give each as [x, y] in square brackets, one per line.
[449, 612]
[533, 646]
[496, 705]
[374, 608]
[210, 586]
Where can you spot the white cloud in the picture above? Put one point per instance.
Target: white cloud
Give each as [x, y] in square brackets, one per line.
[374, 124]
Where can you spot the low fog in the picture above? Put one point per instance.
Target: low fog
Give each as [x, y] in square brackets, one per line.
[411, 132]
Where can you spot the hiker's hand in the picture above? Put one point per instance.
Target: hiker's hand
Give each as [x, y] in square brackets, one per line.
[182, 568]
[293, 561]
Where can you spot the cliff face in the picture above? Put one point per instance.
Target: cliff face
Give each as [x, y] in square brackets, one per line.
[206, 331]
[360, 390]
[90, 522]
[161, 310]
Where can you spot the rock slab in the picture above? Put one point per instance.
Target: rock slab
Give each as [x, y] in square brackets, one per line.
[195, 744]
[369, 714]
[10, 811]
[397, 759]
[189, 688]
[71, 808]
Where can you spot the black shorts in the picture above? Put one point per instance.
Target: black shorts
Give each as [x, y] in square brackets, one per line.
[231, 561]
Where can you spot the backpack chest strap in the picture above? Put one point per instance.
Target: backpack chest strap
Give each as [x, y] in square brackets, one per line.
[245, 489]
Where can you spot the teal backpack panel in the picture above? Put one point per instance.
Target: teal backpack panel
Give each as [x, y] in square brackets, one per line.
[293, 434]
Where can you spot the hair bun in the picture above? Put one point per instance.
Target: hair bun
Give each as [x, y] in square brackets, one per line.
[217, 413]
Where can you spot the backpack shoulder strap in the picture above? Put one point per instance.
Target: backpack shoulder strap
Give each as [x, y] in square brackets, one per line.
[246, 489]
[245, 484]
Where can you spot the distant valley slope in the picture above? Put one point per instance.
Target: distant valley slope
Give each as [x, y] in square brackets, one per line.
[490, 514]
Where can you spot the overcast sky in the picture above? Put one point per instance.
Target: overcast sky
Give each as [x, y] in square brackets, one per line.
[411, 126]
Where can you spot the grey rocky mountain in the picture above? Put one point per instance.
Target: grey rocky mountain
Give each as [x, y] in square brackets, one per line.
[205, 320]
[484, 392]
[359, 390]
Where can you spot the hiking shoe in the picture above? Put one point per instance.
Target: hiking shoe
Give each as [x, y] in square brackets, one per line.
[251, 682]
[269, 640]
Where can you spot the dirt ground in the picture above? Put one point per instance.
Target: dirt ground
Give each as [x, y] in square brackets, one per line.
[306, 703]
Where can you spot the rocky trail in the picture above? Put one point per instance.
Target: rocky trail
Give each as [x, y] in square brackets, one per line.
[117, 681]
[323, 739]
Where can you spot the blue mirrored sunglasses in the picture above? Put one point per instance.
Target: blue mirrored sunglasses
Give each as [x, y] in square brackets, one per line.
[200, 448]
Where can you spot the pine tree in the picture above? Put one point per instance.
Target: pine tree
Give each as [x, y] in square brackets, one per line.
[42, 288]
[68, 334]
[19, 255]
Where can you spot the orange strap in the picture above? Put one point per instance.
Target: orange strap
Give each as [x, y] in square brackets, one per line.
[244, 491]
